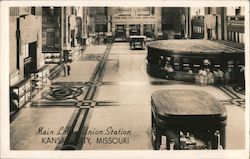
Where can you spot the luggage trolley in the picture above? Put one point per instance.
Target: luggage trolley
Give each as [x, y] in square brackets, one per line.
[137, 41]
[187, 120]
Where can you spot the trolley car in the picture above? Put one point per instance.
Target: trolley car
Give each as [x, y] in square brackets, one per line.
[187, 120]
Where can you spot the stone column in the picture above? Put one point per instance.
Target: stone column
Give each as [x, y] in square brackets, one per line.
[109, 24]
[127, 31]
[141, 29]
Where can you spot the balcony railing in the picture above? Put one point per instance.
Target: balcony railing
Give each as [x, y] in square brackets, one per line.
[197, 20]
[133, 17]
[236, 19]
[198, 17]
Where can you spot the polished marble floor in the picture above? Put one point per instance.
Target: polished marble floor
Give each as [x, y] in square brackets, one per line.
[107, 96]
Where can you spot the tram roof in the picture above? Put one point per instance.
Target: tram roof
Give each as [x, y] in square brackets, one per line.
[193, 46]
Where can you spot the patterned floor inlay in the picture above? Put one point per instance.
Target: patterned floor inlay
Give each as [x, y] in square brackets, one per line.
[62, 93]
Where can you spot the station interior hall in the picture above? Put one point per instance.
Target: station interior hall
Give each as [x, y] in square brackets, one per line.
[85, 78]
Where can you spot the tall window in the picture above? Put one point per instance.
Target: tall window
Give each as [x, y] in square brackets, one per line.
[209, 10]
[237, 11]
[64, 25]
[152, 10]
[50, 39]
[33, 10]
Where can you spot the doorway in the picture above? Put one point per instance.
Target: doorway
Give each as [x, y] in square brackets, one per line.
[134, 29]
[120, 32]
[209, 34]
[31, 64]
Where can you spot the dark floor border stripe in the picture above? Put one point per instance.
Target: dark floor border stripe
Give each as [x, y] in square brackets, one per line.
[238, 91]
[233, 95]
[49, 103]
[69, 126]
[90, 93]
[93, 97]
[74, 135]
[225, 91]
[84, 130]
[97, 69]
[231, 91]
[68, 140]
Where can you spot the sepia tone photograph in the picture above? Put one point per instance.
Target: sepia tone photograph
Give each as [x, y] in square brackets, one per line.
[127, 78]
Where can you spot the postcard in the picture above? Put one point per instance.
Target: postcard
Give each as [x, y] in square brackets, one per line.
[138, 79]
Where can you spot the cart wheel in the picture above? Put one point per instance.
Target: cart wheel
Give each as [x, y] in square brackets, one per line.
[156, 136]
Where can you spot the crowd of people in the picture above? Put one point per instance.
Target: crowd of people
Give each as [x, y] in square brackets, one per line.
[203, 76]
[216, 77]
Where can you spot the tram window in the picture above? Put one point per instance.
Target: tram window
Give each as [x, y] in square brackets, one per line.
[207, 62]
[185, 64]
[216, 63]
[230, 64]
[216, 66]
[196, 68]
[176, 66]
[185, 60]
[195, 64]
[185, 67]
[241, 66]
[176, 60]
[168, 59]
[176, 63]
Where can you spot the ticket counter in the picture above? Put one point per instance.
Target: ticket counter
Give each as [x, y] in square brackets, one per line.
[185, 55]
[187, 120]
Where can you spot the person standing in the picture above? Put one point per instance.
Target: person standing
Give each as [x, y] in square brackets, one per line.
[200, 77]
[65, 70]
[221, 76]
[210, 77]
[216, 77]
[227, 76]
[204, 75]
[68, 68]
